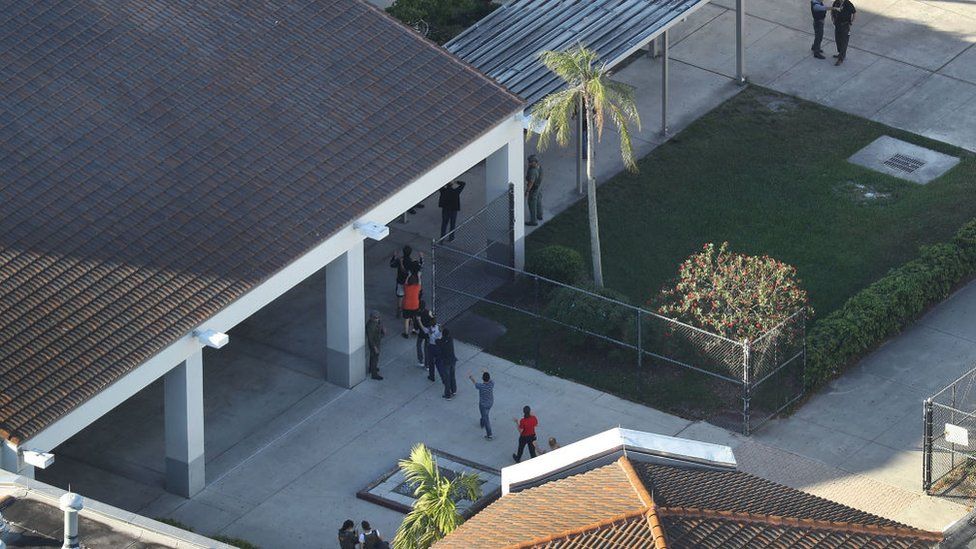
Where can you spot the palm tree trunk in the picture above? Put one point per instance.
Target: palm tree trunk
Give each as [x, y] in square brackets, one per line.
[591, 203]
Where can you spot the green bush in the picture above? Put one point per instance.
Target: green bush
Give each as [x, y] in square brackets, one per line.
[584, 311]
[888, 305]
[445, 19]
[557, 263]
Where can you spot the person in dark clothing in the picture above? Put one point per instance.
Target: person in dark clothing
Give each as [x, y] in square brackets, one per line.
[370, 537]
[450, 204]
[526, 428]
[842, 13]
[819, 12]
[405, 265]
[348, 537]
[425, 321]
[533, 190]
[447, 364]
[374, 336]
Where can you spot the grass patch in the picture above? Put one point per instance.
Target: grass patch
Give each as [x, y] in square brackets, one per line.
[767, 173]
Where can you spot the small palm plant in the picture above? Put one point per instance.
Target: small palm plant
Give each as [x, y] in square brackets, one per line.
[594, 95]
[434, 513]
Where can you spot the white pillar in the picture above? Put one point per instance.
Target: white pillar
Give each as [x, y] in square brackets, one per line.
[345, 303]
[13, 461]
[183, 417]
[740, 48]
[504, 166]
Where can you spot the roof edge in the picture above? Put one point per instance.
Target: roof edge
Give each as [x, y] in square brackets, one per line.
[870, 529]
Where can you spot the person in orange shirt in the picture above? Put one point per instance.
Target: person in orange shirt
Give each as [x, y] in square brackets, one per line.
[526, 428]
[411, 302]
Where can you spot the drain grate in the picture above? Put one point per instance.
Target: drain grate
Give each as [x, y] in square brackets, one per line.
[905, 163]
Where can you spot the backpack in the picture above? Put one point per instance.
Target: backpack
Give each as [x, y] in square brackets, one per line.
[372, 541]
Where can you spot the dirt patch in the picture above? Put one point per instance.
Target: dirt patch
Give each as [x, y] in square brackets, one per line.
[861, 193]
[777, 103]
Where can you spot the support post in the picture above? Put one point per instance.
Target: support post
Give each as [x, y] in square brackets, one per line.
[746, 387]
[740, 49]
[183, 418]
[654, 49]
[345, 303]
[664, 83]
[927, 446]
[502, 168]
[12, 460]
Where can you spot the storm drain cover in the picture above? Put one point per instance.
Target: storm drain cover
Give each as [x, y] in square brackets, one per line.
[903, 160]
[907, 164]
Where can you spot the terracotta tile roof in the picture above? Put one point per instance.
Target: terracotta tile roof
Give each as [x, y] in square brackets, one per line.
[800, 520]
[158, 159]
[576, 502]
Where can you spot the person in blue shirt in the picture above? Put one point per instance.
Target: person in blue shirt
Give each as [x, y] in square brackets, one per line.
[819, 12]
[486, 398]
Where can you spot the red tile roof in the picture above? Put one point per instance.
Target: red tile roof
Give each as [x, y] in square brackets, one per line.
[158, 159]
[581, 513]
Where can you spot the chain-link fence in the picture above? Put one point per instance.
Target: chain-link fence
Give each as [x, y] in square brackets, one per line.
[949, 455]
[604, 342]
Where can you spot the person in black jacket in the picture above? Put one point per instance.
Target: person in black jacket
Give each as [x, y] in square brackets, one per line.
[450, 204]
[842, 13]
[447, 363]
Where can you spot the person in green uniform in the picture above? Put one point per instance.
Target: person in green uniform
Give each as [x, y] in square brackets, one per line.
[533, 190]
[374, 336]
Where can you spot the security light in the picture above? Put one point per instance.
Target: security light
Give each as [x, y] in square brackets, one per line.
[212, 338]
[38, 459]
[372, 229]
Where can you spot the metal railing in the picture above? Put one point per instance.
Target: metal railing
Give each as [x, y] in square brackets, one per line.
[949, 457]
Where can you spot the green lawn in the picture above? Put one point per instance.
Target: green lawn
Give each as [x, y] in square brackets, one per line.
[767, 173]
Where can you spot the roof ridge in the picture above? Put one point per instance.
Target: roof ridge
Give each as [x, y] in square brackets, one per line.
[441, 49]
[897, 531]
[583, 529]
[635, 482]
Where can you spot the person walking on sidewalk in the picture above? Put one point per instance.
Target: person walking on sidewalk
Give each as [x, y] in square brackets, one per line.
[405, 265]
[447, 364]
[374, 336]
[842, 13]
[411, 304]
[348, 537]
[486, 399]
[533, 190]
[526, 428]
[450, 204]
[819, 12]
[424, 322]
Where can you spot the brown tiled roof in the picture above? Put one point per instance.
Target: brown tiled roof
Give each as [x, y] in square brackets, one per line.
[786, 518]
[565, 505]
[158, 159]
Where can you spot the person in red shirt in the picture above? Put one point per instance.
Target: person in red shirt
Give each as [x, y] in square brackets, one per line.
[526, 429]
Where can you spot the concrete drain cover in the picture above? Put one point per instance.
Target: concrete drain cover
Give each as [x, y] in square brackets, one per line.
[903, 160]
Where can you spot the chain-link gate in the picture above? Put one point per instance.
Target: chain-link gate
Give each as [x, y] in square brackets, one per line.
[949, 451]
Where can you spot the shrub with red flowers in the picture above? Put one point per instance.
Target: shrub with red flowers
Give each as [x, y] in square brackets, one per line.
[735, 295]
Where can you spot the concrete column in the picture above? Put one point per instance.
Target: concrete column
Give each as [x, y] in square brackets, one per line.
[740, 48]
[183, 417]
[345, 303]
[11, 460]
[664, 83]
[504, 166]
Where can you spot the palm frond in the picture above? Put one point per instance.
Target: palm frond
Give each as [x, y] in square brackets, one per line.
[556, 110]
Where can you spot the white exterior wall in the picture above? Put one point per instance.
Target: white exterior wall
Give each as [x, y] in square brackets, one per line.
[506, 134]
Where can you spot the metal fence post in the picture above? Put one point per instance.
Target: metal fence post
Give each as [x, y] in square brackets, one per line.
[927, 446]
[952, 420]
[433, 276]
[746, 386]
[640, 346]
[511, 228]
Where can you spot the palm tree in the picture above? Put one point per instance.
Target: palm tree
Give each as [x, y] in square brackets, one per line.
[589, 87]
[434, 513]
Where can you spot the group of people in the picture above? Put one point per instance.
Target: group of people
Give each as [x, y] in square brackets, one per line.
[842, 14]
[369, 538]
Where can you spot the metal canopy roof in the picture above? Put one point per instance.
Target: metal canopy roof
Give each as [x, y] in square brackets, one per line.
[506, 44]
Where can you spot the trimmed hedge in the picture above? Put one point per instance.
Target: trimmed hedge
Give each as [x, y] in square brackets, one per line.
[599, 316]
[557, 263]
[888, 305]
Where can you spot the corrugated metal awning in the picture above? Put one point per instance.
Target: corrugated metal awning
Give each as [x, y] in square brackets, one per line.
[506, 44]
